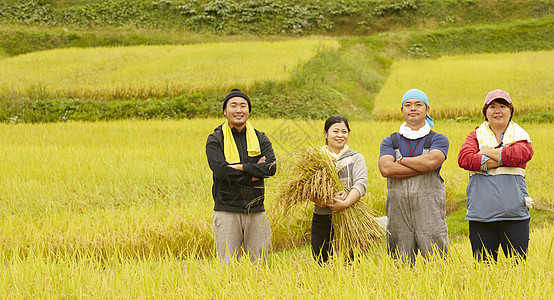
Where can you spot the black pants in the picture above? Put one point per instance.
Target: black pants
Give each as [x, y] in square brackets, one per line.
[322, 235]
[485, 238]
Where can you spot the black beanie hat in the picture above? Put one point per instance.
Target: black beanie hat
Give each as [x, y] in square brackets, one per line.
[237, 93]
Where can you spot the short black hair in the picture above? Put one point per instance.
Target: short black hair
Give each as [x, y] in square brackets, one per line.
[335, 119]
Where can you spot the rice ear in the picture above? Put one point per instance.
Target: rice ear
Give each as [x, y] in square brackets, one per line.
[311, 176]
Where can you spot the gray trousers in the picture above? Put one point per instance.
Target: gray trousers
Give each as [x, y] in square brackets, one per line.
[416, 214]
[235, 229]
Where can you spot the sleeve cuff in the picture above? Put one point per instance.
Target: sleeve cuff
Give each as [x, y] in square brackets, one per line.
[361, 189]
[484, 159]
[246, 169]
[484, 168]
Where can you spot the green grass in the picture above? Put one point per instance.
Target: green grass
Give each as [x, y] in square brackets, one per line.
[20, 39]
[457, 85]
[272, 17]
[510, 36]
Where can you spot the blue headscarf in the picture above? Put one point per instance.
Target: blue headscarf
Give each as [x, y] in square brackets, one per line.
[420, 95]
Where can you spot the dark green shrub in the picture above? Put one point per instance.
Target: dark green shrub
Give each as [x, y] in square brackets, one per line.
[59, 110]
[270, 16]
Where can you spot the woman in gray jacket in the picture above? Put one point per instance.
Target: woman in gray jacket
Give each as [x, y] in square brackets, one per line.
[352, 173]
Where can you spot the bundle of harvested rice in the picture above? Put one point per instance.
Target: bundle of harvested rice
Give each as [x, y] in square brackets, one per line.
[312, 177]
[355, 230]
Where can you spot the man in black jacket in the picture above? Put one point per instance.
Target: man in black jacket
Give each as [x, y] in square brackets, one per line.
[240, 157]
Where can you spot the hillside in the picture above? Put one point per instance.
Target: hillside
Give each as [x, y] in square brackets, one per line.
[270, 17]
[372, 35]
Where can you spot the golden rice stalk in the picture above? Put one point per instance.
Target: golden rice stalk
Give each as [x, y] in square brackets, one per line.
[311, 176]
[355, 230]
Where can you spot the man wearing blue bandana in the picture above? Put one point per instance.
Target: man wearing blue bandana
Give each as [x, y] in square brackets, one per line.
[411, 160]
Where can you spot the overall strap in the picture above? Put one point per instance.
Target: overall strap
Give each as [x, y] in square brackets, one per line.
[394, 138]
[395, 145]
[427, 144]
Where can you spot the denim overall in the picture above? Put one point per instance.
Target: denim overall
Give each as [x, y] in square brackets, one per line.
[416, 212]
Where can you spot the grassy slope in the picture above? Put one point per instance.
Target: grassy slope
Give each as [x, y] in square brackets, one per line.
[534, 34]
[345, 82]
[349, 17]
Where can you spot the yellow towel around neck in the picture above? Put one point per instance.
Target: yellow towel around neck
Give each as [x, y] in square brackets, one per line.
[487, 139]
[230, 149]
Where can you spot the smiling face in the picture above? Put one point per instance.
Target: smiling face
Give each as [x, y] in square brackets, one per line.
[414, 112]
[237, 113]
[498, 114]
[337, 137]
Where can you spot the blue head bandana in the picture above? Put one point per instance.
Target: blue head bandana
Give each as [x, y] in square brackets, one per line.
[420, 95]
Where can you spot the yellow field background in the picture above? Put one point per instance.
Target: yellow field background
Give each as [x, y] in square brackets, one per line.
[457, 85]
[291, 274]
[108, 73]
[140, 189]
[124, 208]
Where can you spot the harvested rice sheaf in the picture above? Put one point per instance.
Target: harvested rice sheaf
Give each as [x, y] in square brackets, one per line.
[355, 230]
[312, 177]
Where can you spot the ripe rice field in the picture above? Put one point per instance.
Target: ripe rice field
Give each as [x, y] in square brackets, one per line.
[123, 210]
[107, 73]
[291, 274]
[457, 85]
